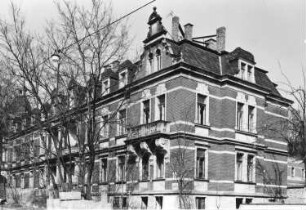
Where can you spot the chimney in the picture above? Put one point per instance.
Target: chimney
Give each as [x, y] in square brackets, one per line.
[175, 28]
[221, 39]
[115, 66]
[188, 31]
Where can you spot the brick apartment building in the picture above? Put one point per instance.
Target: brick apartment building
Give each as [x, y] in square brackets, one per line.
[190, 133]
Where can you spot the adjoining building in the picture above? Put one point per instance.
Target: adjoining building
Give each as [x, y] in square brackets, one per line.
[191, 133]
[296, 181]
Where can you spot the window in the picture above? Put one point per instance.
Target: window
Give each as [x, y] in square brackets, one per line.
[250, 168]
[303, 173]
[116, 203]
[200, 167]
[239, 160]
[122, 122]
[105, 87]
[122, 79]
[18, 181]
[26, 180]
[145, 167]
[160, 165]
[200, 202]
[159, 202]
[246, 71]
[242, 70]
[251, 119]
[144, 202]
[104, 126]
[161, 107]
[238, 202]
[239, 116]
[292, 171]
[201, 107]
[146, 112]
[104, 170]
[249, 78]
[151, 65]
[158, 59]
[121, 168]
[124, 203]
[248, 200]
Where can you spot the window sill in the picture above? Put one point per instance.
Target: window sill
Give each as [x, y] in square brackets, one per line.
[103, 183]
[159, 179]
[120, 182]
[101, 140]
[244, 182]
[246, 133]
[201, 179]
[202, 126]
[121, 136]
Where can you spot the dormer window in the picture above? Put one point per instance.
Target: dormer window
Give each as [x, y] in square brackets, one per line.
[105, 87]
[158, 59]
[123, 79]
[246, 71]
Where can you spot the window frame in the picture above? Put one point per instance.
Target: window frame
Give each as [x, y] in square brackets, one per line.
[198, 201]
[105, 89]
[158, 115]
[121, 128]
[121, 165]
[206, 112]
[125, 82]
[104, 168]
[246, 70]
[240, 116]
[239, 167]
[144, 119]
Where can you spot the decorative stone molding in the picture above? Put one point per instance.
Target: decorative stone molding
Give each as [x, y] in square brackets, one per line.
[241, 97]
[146, 94]
[105, 111]
[202, 88]
[251, 100]
[162, 144]
[144, 146]
[160, 89]
[131, 150]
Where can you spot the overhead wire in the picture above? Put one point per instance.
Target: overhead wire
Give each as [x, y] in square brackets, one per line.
[90, 34]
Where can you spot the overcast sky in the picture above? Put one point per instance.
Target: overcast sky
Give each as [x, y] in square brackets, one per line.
[273, 30]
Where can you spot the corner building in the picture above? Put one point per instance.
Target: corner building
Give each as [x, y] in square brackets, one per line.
[192, 130]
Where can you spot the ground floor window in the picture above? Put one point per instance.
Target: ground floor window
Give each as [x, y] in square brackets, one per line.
[159, 202]
[238, 202]
[116, 203]
[200, 202]
[120, 203]
[144, 202]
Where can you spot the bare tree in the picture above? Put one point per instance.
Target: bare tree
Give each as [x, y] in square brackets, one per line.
[86, 40]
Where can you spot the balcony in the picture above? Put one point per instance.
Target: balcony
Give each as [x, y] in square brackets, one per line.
[148, 129]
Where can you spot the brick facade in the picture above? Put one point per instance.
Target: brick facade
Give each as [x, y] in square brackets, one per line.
[203, 142]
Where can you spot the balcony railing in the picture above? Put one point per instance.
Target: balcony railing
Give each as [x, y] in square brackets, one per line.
[148, 129]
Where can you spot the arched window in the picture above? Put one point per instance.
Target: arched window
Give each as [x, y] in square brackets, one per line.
[158, 59]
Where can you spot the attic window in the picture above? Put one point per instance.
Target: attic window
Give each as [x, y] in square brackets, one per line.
[105, 87]
[246, 71]
[158, 59]
[151, 65]
[123, 79]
